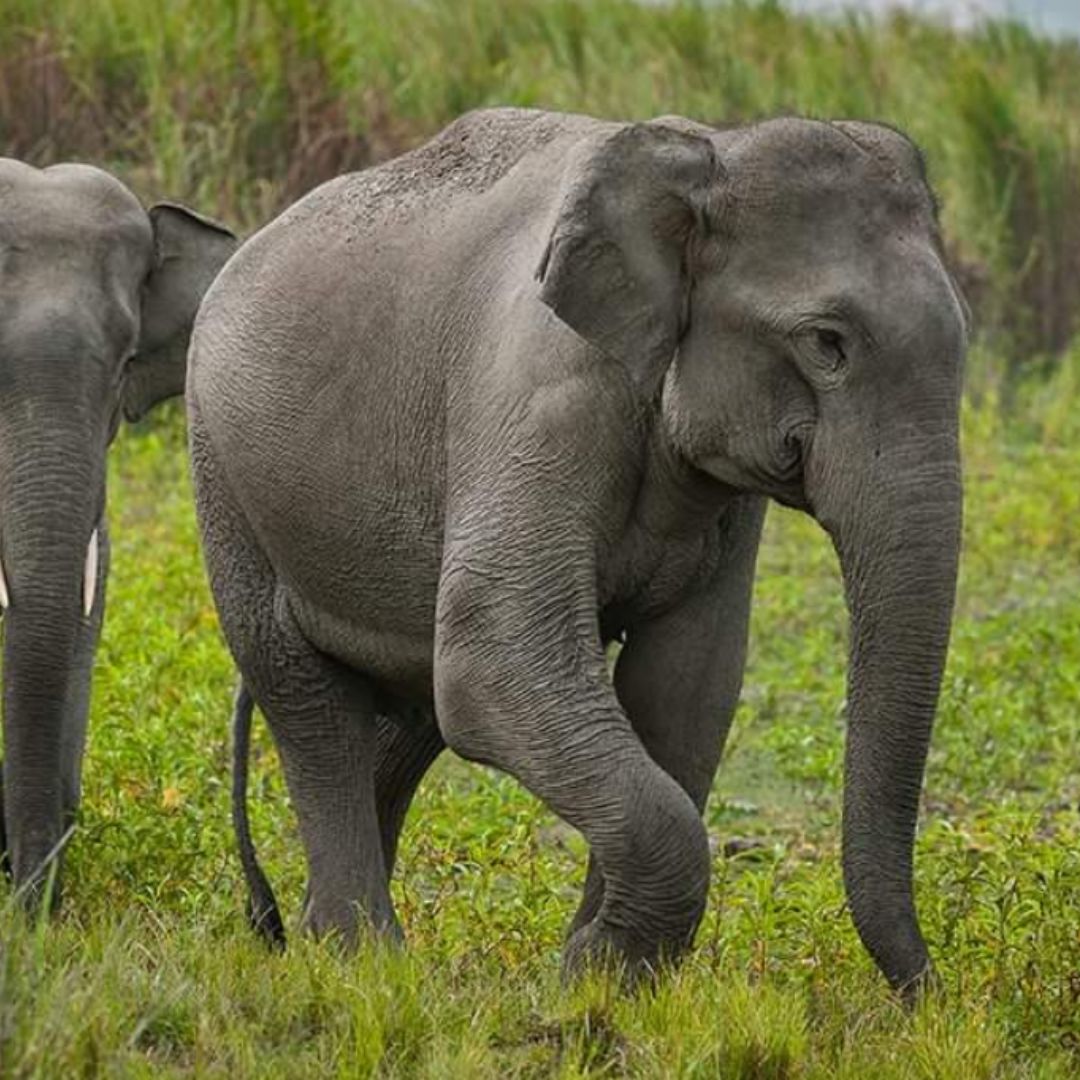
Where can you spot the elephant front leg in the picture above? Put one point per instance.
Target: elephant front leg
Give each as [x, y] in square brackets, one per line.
[679, 675]
[527, 691]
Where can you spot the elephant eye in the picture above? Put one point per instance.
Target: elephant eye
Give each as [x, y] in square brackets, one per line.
[830, 344]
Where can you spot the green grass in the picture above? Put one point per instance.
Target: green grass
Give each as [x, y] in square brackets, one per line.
[238, 106]
[151, 970]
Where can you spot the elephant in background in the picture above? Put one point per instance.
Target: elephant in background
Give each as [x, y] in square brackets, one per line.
[459, 421]
[97, 299]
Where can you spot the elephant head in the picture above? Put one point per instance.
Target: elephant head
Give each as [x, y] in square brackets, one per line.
[97, 299]
[780, 291]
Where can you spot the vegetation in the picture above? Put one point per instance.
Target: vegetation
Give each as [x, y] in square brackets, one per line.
[241, 105]
[151, 968]
[238, 106]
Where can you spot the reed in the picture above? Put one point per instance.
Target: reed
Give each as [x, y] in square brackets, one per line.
[240, 106]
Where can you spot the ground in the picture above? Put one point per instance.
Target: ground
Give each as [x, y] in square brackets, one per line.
[151, 969]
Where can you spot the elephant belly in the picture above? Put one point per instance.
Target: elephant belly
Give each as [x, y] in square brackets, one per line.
[399, 662]
[362, 585]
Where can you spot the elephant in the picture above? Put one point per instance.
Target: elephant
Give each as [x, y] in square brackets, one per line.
[97, 299]
[460, 422]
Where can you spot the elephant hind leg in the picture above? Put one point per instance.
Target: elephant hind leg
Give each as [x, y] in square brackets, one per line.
[322, 716]
[325, 727]
[405, 750]
[404, 753]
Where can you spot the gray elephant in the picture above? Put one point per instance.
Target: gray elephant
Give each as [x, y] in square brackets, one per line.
[97, 298]
[460, 421]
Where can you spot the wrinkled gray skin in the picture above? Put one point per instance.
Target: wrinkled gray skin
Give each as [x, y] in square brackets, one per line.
[97, 297]
[462, 419]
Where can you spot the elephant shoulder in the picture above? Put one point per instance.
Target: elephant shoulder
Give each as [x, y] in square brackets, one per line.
[467, 158]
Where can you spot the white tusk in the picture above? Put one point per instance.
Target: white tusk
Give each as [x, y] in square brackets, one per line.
[90, 575]
[5, 600]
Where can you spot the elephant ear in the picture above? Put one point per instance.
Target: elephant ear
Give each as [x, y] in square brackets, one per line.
[617, 265]
[189, 250]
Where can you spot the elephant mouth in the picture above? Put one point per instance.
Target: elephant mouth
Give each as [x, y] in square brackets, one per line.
[794, 498]
[788, 484]
[785, 485]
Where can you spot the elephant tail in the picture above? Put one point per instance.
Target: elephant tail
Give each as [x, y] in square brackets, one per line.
[5, 860]
[263, 912]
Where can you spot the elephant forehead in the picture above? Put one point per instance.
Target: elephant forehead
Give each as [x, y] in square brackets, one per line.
[832, 246]
[73, 204]
[894, 288]
[812, 209]
[804, 170]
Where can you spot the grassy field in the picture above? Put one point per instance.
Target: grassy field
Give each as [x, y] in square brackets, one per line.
[239, 106]
[151, 969]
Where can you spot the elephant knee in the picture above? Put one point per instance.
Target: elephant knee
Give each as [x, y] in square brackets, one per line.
[660, 867]
[460, 710]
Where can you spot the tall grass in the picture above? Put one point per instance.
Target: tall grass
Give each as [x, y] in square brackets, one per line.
[242, 105]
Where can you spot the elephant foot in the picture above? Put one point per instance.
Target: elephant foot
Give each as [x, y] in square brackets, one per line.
[40, 891]
[349, 923]
[927, 984]
[621, 953]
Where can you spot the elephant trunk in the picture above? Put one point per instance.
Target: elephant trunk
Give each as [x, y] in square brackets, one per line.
[896, 527]
[50, 509]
